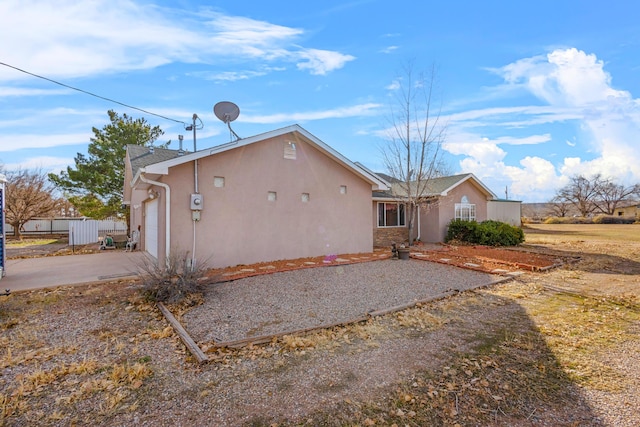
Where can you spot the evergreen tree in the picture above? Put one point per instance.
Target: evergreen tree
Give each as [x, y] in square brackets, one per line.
[96, 183]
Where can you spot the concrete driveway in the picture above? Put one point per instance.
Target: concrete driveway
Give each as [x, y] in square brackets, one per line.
[46, 272]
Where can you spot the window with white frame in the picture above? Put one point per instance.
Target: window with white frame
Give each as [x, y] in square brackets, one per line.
[464, 210]
[391, 214]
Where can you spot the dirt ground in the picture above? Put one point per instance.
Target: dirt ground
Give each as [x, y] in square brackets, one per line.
[551, 347]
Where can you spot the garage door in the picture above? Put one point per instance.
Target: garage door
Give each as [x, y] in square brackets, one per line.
[151, 227]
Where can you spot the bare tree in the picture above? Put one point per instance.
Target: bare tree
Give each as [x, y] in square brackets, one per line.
[611, 194]
[559, 206]
[581, 192]
[28, 195]
[413, 152]
[593, 194]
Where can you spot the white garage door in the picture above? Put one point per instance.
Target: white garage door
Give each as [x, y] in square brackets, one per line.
[151, 227]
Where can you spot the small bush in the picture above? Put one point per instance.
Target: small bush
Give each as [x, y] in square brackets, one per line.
[568, 220]
[610, 219]
[489, 233]
[174, 282]
[461, 231]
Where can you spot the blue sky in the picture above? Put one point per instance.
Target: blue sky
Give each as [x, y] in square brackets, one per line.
[532, 92]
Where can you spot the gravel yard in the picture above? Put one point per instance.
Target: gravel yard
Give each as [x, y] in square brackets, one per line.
[313, 297]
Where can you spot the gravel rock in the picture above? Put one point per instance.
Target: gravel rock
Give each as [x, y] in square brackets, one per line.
[308, 298]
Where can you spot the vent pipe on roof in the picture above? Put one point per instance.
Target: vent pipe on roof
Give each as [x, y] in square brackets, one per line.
[180, 150]
[151, 149]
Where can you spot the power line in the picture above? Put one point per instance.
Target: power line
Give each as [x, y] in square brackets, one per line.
[92, 94]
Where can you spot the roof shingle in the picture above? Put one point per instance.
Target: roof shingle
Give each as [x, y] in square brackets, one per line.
[141, 156]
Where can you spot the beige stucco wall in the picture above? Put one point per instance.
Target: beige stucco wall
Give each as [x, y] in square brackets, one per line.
[435, 220]
[135, 198]
[136, 211]
[429, 223]
[628, 211]
[509, 211]
[240, 226]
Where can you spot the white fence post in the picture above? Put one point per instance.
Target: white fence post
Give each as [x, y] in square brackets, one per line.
[38, 226]
[83, 232]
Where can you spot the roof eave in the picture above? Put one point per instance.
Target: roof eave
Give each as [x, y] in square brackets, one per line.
[162, 168]
[479, 183]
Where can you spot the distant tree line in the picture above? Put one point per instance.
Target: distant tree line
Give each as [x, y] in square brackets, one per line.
[594, 195]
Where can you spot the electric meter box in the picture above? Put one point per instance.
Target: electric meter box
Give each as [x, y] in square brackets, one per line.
[196, 202]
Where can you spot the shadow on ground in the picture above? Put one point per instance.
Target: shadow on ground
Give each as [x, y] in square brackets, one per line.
[492, 368]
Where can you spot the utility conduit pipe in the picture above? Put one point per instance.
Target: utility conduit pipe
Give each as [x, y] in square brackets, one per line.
[195, 179]
[167, 190]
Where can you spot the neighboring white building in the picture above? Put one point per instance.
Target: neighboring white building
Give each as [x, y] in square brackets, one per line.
[509, 211]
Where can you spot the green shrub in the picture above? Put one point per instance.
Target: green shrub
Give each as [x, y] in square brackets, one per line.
[461, 231]
[488, 233]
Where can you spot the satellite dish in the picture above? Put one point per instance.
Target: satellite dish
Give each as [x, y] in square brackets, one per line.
[227, 112]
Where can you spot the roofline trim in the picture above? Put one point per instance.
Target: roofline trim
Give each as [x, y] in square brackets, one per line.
[162, 168]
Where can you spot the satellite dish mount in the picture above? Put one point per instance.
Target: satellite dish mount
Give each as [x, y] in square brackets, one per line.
[227, 112]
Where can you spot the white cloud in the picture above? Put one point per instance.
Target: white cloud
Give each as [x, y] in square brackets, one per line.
[251, 37]
[394, 85]
[575, 87]
[564, 77]
[482, 154]
[527, 140]
[6, 91]
[67, 38]
[536, 177]
[340, 113]
[458, 141]
[513, 117]
[321, 62]
[44, 163]
[20, 142]
[389, 49]
[228, 76]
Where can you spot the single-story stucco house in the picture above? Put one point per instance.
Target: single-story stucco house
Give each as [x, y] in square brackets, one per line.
[283, 194]
[446, 198]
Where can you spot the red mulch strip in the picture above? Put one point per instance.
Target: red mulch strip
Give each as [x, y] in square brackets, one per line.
[480, 258]
[242, 271]
[489, 258]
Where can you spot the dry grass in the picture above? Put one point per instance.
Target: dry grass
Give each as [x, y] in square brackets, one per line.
[48, 378]
[517, 371]
[420, 319]
[114, 382]
[522, 351]
[30, 242]
[527, 369]
[578, 328]
[571, 233]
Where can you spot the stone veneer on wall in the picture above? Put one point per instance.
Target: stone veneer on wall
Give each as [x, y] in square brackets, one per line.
[389, 235]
